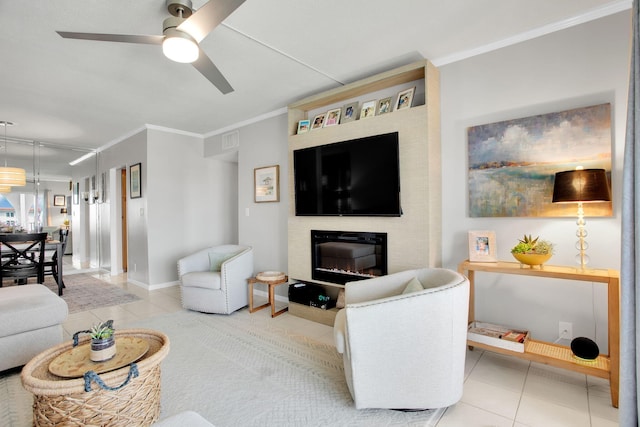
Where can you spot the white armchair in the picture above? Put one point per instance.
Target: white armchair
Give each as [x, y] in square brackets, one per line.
[405, 350]
[214, 280]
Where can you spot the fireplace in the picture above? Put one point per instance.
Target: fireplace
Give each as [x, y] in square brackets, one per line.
[345, 256]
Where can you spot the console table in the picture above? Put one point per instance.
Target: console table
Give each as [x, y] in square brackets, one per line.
[605, 365]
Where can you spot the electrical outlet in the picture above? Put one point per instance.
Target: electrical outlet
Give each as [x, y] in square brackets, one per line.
[565, 330]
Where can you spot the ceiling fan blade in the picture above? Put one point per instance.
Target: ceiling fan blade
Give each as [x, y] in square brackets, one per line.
[208, 17]
[124, 38]
[211, 72]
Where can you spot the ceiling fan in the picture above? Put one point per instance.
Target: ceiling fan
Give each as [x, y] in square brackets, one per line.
[181, 34]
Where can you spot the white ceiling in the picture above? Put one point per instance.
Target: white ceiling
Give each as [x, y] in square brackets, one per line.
[273, 52]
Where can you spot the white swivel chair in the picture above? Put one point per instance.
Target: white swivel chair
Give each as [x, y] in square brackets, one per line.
[405, 350]
[214, 280]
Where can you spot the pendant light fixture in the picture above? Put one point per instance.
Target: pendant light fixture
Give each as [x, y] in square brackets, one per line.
[12, 177]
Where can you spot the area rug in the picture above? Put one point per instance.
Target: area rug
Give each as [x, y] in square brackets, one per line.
[84, 292]
[243, 370]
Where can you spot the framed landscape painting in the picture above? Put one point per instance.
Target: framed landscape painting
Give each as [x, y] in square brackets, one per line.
[267, 184]
[512, 164]
[135, 181]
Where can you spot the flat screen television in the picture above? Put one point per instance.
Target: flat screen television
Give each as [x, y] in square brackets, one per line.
[359, 177]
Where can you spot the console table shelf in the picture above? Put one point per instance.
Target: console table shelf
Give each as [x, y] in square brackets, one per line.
[604, 366]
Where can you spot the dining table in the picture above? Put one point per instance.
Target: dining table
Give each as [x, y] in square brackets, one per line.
[51, 245]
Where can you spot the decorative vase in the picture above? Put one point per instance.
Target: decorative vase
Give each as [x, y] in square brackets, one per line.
[532, 259]
[103, 349]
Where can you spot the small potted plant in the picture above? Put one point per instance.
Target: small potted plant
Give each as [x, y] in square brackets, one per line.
[103, 343]
[531, 252]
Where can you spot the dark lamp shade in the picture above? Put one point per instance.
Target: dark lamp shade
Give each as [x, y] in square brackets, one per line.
[581, 185]
[63, 210]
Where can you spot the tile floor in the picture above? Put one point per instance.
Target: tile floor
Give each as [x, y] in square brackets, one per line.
[499, 390]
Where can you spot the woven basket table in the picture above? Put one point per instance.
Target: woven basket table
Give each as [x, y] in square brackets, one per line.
[129, 396]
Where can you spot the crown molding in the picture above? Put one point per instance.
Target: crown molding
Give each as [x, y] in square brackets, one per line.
[597, 13]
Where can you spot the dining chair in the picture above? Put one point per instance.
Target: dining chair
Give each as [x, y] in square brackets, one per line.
[22, 256]
[50, 263]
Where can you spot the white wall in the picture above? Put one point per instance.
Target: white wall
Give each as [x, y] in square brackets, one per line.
[581, 66]
[191, 201]
[261, 225]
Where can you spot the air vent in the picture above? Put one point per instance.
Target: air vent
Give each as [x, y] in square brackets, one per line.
[231, 140]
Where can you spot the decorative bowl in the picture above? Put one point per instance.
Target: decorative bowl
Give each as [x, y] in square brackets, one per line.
[532, 259]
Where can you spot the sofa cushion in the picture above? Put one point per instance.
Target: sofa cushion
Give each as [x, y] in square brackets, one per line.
[29, 307]
[201, 279]
[413, 285]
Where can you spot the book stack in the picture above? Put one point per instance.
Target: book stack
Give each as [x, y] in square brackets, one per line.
[498, 336]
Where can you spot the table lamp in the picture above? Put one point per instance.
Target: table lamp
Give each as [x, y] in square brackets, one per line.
[581, 186]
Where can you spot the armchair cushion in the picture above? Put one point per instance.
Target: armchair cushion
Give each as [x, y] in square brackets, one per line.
[413, 285]
[202, 279]
[216, 259]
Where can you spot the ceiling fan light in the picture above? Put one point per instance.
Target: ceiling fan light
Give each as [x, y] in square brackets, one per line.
[180, 47]
[13, 177]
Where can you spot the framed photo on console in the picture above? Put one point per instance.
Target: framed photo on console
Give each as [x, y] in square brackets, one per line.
[482, 246]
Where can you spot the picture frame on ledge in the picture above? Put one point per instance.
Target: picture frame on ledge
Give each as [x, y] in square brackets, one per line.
[318, 121]
[405, 98]
[482, 246]
[368, 109]
[333, 117]
[135, 181]
[350, 112]
[384, 106]
[303, 126]
[266, 181]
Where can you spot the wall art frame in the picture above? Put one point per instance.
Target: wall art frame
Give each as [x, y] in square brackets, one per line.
[512, 163]
[76, 193]
[266, 184]
[59, 200]
[482, 246]
[135, 181]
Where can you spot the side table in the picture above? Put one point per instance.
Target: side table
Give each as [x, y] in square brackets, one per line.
[273, 280]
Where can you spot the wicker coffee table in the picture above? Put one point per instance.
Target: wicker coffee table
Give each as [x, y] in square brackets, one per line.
[129, 396]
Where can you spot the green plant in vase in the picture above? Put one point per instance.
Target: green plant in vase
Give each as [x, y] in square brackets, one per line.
[103, 343]
[530, 251]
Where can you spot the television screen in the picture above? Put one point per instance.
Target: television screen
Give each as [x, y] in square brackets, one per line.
[359, 177]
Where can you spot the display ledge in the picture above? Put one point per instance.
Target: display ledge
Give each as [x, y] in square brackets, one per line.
[554, 355]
